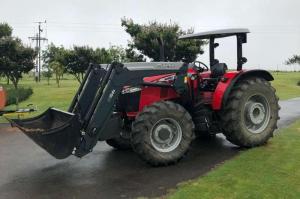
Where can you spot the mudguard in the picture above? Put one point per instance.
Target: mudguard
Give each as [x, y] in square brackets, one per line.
[229, 79]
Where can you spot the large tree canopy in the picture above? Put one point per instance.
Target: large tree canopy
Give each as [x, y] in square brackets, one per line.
[160, 41]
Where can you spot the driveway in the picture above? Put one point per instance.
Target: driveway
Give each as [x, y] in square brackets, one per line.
[26, 171]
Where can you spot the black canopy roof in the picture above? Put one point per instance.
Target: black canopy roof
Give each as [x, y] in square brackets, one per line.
[216, 33]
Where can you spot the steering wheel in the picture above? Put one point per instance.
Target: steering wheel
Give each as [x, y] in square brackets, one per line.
[199, 68]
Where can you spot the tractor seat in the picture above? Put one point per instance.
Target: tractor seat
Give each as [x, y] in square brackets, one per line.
[218, 69]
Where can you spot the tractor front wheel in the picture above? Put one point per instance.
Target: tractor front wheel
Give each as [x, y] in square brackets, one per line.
[162, 133]
[250, 116]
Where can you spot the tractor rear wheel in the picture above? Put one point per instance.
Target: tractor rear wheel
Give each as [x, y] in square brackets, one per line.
[162, 133]
[250, 116]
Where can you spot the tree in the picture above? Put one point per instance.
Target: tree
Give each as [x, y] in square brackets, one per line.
[54, 54]
[117, 53]
[102, 55]
[78, 61]
[295, 59]
[58, 70]
[48, 74]
[15, 58]
[120, 54]
[5, 31]
[160, 41]
[133, 56]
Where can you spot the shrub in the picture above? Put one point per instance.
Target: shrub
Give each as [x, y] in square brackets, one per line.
[24, 93]
[298, 83]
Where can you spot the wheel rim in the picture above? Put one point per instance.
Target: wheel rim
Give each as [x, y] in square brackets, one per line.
[166, 135]
[257, 113]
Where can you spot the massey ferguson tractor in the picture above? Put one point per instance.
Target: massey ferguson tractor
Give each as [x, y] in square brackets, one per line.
[158, 108]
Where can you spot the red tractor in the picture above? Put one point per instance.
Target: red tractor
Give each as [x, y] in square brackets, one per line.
[158, 108]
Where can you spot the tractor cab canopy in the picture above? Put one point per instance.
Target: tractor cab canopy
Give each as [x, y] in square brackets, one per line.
[241, 35]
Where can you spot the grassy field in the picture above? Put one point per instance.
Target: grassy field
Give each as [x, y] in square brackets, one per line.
[286, 84]
[45, 96]
[271, 171]
[50, 96]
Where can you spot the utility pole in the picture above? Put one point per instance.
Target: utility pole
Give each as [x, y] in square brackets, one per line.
[38, 40]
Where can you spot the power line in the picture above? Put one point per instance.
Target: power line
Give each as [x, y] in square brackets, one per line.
[38, 40]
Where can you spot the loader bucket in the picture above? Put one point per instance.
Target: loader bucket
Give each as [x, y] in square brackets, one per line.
[56, 131]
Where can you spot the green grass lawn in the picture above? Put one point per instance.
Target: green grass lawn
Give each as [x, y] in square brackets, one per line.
[286, 84]
[45, 96]
[271, 171]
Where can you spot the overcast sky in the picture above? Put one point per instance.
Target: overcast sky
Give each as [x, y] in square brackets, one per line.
[274, 24]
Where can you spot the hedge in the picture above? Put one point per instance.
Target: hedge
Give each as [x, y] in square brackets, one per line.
[24, 93]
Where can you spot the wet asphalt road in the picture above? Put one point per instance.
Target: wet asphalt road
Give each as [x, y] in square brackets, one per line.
[26, 171]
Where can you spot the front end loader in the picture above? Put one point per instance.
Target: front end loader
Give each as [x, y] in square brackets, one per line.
[91, 116]
[158, 108]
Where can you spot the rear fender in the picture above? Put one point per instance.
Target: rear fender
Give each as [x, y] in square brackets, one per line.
[229, 79]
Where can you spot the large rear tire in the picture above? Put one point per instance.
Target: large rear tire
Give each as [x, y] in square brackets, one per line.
[162, 133]
[250, 116]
